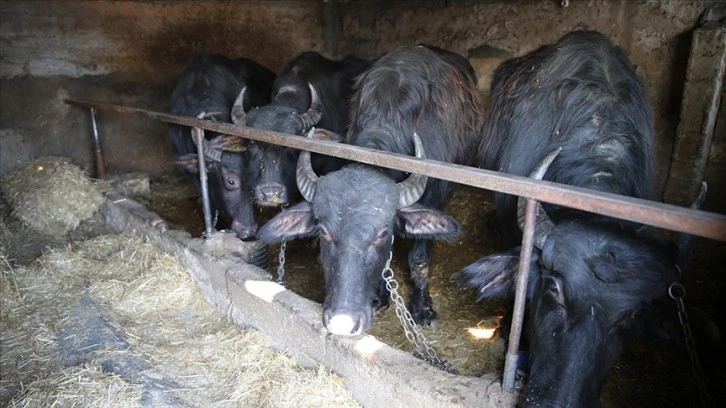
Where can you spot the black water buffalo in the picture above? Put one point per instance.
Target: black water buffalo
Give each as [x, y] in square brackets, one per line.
[410, 101]
[310, 90]
[209, 86]
[593, 279]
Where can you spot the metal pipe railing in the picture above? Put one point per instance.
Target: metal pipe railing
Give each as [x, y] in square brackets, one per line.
[98, 150]
[520, 296]
[695, 222]
[203, 181]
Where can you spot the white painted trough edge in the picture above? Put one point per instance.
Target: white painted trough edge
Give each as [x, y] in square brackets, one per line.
[376, 374]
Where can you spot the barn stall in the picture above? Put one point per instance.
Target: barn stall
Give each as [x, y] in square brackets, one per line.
[132, 52]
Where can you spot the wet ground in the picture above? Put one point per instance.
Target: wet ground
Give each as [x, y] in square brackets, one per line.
[649, 374]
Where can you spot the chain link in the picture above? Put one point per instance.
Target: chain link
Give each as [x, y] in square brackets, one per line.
[412, 330]
[281, 255]
[281, 263]
[677, 292]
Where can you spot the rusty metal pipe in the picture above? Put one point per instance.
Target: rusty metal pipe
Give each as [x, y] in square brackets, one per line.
[100, 160]
[696, 222]
[520, 296]
[203, 181]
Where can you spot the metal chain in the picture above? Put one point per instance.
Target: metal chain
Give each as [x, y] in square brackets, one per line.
[281, 255]
[411, 328]
[677, 292]
[281, 263]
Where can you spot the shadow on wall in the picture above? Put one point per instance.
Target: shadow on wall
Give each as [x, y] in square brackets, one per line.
[173, 48]
[36, 121]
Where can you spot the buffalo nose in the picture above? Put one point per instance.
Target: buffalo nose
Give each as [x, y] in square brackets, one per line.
[271, 194]
[244, 232]
[343, 324]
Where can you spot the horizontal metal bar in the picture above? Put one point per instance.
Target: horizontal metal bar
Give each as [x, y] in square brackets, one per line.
[696, 222]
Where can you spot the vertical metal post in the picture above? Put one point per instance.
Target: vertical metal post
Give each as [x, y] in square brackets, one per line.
[520, 297]
[199, 141]
[100, 160]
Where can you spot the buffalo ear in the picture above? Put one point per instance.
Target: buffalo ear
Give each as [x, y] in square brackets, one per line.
[296, 222]
[187, 162]
[493, 276]
[417, 221]
[228, 143]
[190, 163]
[324, 134]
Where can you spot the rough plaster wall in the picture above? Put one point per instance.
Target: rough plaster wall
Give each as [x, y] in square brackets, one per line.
[131, 52]
[716, 167]
[654, 33]
[128, 53]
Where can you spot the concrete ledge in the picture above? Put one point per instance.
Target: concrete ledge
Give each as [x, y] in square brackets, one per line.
[378, 375]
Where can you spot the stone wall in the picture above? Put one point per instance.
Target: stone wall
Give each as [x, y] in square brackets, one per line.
[127, 52]
[131, 52]
[655, 34]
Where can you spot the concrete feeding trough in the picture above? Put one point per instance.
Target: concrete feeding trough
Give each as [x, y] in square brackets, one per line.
[377, 374]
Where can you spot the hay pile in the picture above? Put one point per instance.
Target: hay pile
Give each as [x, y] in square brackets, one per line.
[51, 194]
[90, 318]
[113, 321]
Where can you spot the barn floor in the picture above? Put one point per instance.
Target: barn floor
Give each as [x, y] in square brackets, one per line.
[94, 318]
[649, 374]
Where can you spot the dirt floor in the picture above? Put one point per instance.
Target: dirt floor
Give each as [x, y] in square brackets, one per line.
[649, 374]
[93, 318]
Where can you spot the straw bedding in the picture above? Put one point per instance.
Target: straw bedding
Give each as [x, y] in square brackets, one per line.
[51, 194]
[112, 321]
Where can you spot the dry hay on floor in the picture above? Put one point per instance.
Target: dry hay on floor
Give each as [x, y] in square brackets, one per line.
[51, 194]
[113, 321]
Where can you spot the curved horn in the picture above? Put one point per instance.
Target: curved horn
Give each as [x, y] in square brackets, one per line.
[543, 224]
[314, 113]
[305, 175]
[239, 115]
[210, 153]
[411, 189]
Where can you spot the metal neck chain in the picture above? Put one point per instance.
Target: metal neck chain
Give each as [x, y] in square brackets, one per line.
[281, 263]
[411, 328]
[677, 292]
[281, 255]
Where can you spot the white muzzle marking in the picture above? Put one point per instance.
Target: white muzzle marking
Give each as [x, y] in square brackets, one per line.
[343, 325]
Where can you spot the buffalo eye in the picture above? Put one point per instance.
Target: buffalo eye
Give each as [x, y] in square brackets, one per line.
[323, 233]
[553, 286]
[382, 236]
[231, 183]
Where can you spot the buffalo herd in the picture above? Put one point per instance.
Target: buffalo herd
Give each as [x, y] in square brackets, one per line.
[594, 281]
